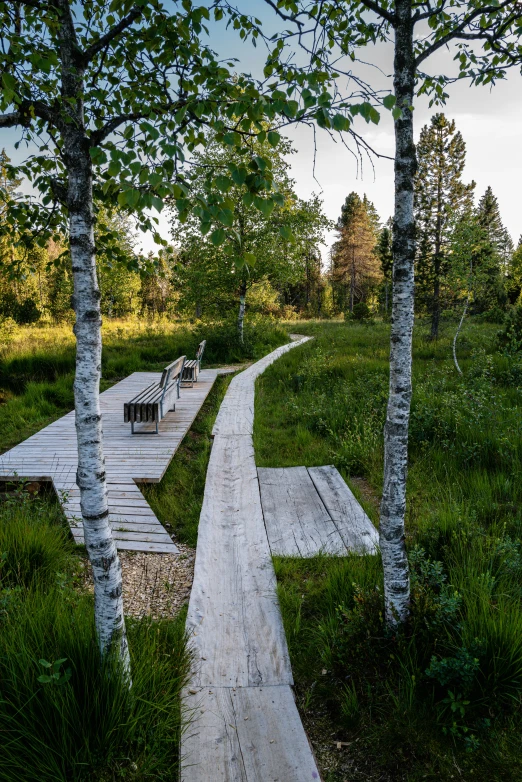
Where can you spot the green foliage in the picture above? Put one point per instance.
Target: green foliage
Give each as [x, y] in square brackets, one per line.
[260, 240]
[441, 200]
[510, 336]
[361, 311]
[33, 541]
[355, 270]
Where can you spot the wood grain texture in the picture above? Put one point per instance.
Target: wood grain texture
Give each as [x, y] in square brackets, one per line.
[233, 620]
[296, 520]
[243, 722]
[312, 511]
[250, 734]
[355, 528]
[51, 455]
[236, 414]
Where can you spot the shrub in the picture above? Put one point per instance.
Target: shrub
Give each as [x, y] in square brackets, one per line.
[510, 336]
[360, 311]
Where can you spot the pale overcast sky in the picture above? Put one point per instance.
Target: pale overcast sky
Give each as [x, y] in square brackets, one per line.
[490, 121]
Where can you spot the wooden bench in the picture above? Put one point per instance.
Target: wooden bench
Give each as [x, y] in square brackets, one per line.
[192, 368]
[155, 401]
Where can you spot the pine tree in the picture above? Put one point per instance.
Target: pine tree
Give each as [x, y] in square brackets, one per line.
[488, 213]
[514, 278]
[441, 198]
[355, 267]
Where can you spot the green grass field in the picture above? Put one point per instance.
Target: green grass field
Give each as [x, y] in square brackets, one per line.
[439, 700]
[444, 694]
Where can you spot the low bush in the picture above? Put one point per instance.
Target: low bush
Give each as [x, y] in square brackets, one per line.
[510, 335]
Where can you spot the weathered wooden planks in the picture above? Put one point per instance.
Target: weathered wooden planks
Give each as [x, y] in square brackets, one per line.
[236, 414]
[355, 528]
[244, 723]
[51, 455]
[250, 734]
[309, 511]
[233, 618]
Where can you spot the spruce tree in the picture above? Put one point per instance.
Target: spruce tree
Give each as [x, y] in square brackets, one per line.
[441, 198]
[515, 274]
[488, 213]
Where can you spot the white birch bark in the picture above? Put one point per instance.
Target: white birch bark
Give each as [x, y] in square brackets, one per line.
[91, 480]
[393, 504]
[241, 314]
[464, 312]
[459, 370]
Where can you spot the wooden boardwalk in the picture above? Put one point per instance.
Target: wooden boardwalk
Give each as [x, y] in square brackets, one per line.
[51, 455]
[311, 510]
[244, 725]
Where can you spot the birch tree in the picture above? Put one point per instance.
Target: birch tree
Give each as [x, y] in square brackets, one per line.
[261, 239]
[109, 96]
[478, 32]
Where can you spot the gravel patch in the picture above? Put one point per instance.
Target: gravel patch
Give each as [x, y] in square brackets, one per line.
[155, 585]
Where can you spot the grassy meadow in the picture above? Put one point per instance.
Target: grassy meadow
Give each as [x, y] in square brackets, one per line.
[438, 700]
[441, 699]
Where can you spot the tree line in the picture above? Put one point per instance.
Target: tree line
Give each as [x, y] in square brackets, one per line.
[463, 249]
[192, 277]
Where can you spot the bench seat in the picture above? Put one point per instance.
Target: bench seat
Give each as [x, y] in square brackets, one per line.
[153, 403]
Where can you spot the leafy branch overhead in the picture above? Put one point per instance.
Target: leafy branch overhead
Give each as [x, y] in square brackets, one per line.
[151, 90]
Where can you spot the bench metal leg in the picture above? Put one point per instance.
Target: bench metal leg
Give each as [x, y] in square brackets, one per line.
[133, 432]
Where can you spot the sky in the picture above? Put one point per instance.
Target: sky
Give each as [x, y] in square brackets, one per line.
[490, 120]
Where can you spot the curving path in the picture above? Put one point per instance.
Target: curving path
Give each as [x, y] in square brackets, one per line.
[244, 725]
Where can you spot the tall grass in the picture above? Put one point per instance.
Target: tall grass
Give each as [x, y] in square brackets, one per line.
[449, 685]
[83, 723]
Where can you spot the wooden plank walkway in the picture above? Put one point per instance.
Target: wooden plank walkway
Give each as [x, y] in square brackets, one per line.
[309, 511]
[244, 724]
[51, 455]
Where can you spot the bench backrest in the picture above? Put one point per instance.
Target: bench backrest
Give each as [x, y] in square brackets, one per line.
[200, 350]
[172, 371]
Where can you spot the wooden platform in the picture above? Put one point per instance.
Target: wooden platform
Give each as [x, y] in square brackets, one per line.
[244, 724]
[50, 455]
[308, 511]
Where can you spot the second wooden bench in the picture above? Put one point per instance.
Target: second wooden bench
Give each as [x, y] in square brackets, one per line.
[153, 403]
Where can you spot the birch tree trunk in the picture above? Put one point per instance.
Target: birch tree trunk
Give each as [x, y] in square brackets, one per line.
[91, 480]
[393, 504]
[241, 315]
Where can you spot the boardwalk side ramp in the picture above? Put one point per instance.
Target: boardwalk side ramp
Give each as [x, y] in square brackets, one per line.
[243, 724]
[309, 511]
